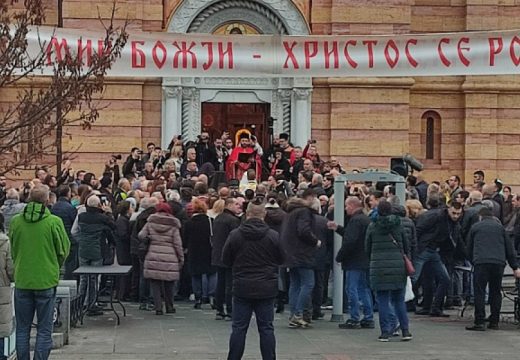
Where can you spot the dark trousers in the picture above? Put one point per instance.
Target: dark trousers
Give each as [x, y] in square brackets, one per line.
[440, 274]
[485, 274]
[136, 274]
[165, 287]
[326, 277]
[317, 292]
[144, 285]
[264, 313]
[223, 293]
[71, 263]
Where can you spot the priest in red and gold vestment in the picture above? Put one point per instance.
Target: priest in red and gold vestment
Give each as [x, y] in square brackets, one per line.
[242, 158]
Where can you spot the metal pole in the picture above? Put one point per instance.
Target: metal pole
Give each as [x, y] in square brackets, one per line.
[339, 218]
[59, 124]
[400, 191]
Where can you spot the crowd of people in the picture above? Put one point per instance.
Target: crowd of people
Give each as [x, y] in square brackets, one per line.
[243, 229]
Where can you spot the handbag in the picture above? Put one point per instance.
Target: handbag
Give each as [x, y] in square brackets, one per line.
[408, 265]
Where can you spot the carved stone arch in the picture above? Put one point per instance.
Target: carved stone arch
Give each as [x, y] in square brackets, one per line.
[290, 98]
[283, 15]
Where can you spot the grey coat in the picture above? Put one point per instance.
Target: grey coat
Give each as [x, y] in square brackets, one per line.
[6, 276]
[165, 256]
[11, 208]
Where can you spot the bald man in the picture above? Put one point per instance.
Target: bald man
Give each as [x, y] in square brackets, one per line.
[354, 261]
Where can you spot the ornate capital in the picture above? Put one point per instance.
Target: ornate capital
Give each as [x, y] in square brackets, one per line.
[189, 92]
[302, 94]
[172, 91]
[285, 94]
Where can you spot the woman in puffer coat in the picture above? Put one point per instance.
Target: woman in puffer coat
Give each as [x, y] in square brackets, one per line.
[385, 244]
[165, 257]
[6, 276]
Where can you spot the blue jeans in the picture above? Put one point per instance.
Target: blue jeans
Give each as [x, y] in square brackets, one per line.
[439, 271]
[26, 302]
[300, 289]
[386, 300]
[88, 283]
[200, 291]
[358, 291]
[264, 313]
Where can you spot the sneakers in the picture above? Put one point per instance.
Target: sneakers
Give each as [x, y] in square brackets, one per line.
[198, 305]
[493, 326]
[158, 312]
[220, 316]
[396, 330]
[367, 324]
[384, 338]
[147, 307]
[439, 314]
[476, 327]
[318, 316]
[297, 322]
[407, 336]
[228, 317]
[171, 310]
[350, 324]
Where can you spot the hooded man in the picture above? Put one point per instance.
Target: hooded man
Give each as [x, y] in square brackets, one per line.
[39, 246]
[254, 254]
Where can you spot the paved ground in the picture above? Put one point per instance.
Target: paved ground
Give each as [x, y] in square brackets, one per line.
[195, 335]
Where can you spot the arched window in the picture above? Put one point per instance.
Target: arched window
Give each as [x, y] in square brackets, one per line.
[431, 130]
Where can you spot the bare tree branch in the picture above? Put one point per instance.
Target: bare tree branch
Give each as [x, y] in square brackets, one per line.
[27, 125]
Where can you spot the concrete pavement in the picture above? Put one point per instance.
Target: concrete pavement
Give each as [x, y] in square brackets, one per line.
[195, 335]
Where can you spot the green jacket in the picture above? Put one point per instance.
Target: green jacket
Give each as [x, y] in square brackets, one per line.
[39, 246]
[387, 271]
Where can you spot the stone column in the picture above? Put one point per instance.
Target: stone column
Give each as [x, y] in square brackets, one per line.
[301, 116]
[191, 113]
[285, 120]
[171, 116]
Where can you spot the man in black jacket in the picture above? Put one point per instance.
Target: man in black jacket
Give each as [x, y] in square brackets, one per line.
[134, 163]
[96, 246]
[354, 261]
[438, 230]
[254, 253]
[222, 226]
[67, 213]
[299, 243]
[488, 248]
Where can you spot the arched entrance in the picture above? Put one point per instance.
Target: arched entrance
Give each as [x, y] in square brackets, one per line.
[186, 99]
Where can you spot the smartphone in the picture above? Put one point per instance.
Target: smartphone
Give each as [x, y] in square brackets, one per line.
[104, 200]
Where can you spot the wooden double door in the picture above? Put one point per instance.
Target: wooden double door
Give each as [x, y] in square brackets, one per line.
[231, 117]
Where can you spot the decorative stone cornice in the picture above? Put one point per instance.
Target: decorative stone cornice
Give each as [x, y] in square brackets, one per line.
[404, 82]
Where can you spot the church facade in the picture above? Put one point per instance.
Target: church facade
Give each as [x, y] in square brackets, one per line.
[454, 125]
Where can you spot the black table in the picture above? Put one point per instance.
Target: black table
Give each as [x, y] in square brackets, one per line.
[113, 272]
